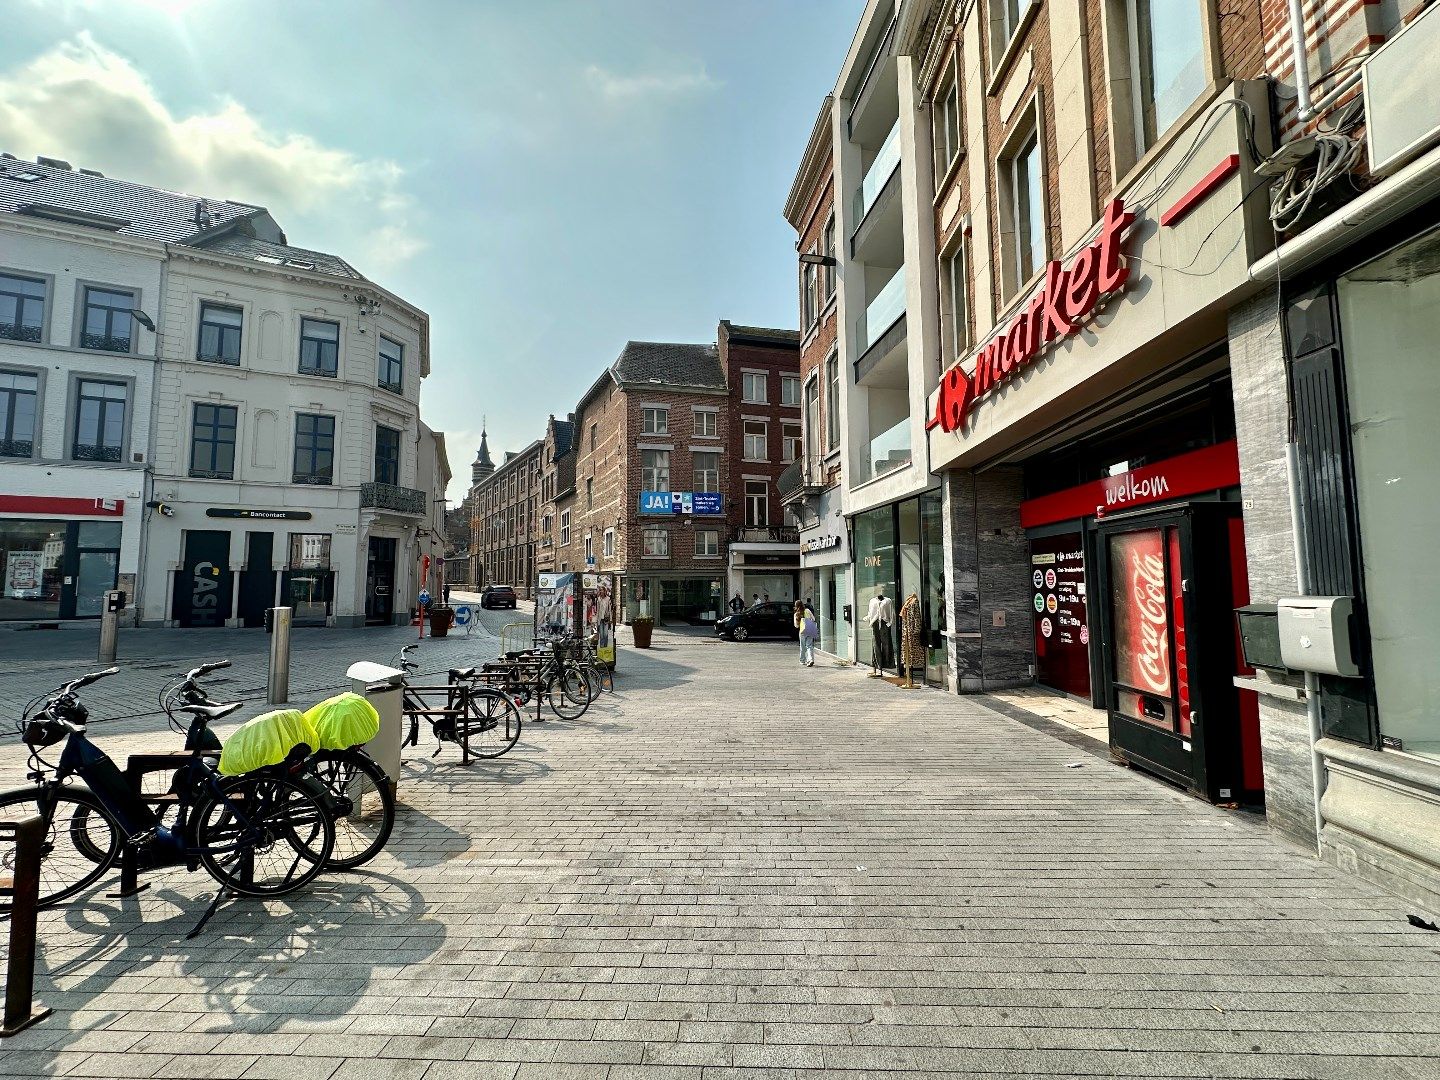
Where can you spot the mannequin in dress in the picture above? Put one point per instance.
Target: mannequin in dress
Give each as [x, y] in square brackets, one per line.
[912, 650]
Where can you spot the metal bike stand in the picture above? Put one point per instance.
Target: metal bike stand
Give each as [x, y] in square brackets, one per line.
[20, 1008]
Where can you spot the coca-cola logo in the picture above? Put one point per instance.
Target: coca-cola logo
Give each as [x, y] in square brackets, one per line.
[1147, 587]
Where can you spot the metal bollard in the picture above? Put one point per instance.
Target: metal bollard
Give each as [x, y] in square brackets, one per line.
[20, 1009]
[109, 635]
[278, 691]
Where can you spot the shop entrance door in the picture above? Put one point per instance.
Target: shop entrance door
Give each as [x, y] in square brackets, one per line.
[1166, 594]
[257, 580]
[380, 582]
[202, 584]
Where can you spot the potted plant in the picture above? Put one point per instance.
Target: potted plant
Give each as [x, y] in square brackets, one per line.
[441, 616]
[642, 628]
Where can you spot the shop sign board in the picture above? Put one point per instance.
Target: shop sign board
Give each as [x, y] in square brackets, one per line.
[1207, 469]
[1070, 295]
[681, 502]
[257, 515]
[1062, 631]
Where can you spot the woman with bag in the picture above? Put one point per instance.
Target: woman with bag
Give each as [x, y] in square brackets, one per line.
[808, 630]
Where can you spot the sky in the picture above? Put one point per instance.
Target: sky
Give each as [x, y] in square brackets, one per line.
[547, 179]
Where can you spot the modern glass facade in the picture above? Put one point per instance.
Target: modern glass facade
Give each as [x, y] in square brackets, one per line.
[900, 548]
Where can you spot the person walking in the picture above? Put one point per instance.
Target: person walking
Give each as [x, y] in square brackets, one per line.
[807, 631]
[737, 605]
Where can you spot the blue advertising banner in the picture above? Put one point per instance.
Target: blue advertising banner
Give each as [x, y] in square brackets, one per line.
[654, 502]
[708, 502]
[681, 502]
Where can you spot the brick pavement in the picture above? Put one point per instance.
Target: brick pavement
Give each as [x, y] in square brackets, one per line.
[738, 868]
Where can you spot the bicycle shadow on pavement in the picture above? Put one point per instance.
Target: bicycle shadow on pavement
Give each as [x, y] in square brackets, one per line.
[257, 967]
[439, 775]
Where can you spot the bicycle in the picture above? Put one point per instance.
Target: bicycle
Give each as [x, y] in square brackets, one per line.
[354, 788]
[546, 674]
[484, 721]
[260, 834]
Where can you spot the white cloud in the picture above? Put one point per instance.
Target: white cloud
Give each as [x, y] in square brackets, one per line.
[92, 107]
[648, 87]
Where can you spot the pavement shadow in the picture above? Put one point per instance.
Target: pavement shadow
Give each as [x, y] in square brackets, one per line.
[247, 967]
[510, 770]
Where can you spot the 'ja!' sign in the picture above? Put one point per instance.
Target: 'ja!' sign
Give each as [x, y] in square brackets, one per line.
[1054, 313]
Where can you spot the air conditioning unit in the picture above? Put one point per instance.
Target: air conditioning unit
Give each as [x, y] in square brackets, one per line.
[1400, 115]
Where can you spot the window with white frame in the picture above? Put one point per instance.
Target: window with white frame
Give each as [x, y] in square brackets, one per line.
[564, 526]
[812, 420]
[1006, 18]
[757, 436]
[1022, 203]
[706, 424]
[589, 548]
[808, 310]
[753, 387]
[789, 390]
[945, 122]
[655, 541]
[954, 322]
[607, 544]
[654, 470]
[832, 401]
[655, 421]
[827, 248]
[1160, 45]
[22, 307]
[757, 502]
[789, 442]
[707, 471]
[707, 543]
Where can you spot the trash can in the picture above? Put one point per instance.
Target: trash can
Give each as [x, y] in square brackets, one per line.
[382, 686]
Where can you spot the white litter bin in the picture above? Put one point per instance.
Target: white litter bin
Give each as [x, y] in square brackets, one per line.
[383, 687]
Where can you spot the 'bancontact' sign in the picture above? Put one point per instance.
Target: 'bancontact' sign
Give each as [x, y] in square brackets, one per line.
[1057, 311]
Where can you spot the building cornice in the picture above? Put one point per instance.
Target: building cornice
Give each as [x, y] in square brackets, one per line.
[817, 159]
[51, 229]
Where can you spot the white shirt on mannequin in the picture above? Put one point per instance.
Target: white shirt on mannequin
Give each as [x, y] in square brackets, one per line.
[882, 610]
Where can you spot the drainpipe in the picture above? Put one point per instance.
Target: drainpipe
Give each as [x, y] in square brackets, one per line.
[1312, 681]
[1307, 110]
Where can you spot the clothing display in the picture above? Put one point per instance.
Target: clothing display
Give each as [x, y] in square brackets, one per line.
[880, 614]
[912, 647]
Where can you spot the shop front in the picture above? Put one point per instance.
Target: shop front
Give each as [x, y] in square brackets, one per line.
[825, 576]
[898, 552]
[60, 556]
[764, 561]
[672, 597]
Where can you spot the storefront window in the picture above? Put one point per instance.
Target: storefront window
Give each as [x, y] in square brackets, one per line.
[875, 555]
[1387, 311]
[31, 553]
[932, 539]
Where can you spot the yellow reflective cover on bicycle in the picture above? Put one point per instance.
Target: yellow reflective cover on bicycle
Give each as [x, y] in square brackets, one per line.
[266, 740]
[343, 721]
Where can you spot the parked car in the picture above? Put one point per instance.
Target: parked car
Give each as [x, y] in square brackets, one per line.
[772, 620]
[497, 596]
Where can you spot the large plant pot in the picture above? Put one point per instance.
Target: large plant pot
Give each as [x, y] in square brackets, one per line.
[642, 629]
[440, 619]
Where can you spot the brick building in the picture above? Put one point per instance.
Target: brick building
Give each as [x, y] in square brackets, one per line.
[506, 499]
[557, 489]
[810, 487]
[1116, 362]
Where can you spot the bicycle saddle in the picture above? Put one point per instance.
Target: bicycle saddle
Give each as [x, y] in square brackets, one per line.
[462, 673]
[211, 712]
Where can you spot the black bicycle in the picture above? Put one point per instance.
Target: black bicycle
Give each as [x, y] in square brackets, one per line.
[354, 788]
[484, 721]
[263, 833]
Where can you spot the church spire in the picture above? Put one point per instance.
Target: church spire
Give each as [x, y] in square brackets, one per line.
[482, 466]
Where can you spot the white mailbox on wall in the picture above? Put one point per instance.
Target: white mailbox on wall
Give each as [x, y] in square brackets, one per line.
[1316, 635]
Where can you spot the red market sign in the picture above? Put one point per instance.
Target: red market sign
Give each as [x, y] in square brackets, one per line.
[1208, 469]
[1070, 295]
[48, 504]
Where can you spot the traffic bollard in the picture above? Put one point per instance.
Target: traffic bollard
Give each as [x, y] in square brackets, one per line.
[278, 689]
[20, 1008]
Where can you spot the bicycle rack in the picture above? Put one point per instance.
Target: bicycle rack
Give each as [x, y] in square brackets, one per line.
[24, 888]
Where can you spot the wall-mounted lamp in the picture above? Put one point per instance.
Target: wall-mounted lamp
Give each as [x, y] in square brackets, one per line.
[818, 260]
[143, 319]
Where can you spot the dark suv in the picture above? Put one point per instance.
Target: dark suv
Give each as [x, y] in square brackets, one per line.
[497, 596]
[773, 619]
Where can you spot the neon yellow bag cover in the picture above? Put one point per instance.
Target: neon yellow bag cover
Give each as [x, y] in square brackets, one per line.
[266, 740]
[343, 721]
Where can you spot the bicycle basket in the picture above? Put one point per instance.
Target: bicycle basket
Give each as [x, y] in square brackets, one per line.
[344, 721]
[266, 740]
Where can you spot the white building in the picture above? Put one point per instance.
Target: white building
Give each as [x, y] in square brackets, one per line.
[282, 438]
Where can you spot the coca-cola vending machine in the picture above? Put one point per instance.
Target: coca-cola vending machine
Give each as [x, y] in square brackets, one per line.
[1167, 585]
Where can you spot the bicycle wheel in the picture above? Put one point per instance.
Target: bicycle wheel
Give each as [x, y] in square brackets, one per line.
[82, 840]
[567, 704]
[492, 723]
[363, 804]
[263, 835]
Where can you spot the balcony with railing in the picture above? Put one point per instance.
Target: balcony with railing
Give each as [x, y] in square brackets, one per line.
[883, 312]
[766, 534]
[887, 160]
[886, 452]
[392, 497]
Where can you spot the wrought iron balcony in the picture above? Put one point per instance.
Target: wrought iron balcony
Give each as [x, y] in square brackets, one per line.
[392, 497]
[766, 534]
[105, 342]
[94, 452]
[17, 448]
[19, 331]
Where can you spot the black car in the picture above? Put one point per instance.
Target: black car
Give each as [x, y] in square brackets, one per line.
[497, 596]
[772, 620]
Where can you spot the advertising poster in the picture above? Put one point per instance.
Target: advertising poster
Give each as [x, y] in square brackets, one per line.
[23, 570]
[555, 605]
[1149, 651]
[1062, 629]
[599, 615]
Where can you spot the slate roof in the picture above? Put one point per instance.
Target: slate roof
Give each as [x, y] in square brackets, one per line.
[564, 436]
[150, 213]
[765, 333]
[240, 246]
[668, 363]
